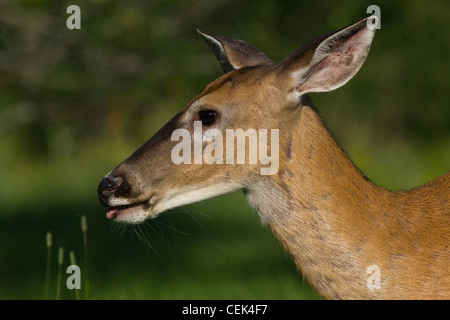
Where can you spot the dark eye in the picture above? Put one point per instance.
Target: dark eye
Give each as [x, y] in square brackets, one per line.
[207, 117]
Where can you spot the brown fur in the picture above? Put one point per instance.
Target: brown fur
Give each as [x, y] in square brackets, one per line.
[339, 223]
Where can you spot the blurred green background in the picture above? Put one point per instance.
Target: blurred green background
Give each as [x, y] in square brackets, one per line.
[74, 103]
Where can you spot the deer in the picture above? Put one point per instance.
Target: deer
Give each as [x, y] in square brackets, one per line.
[331, 219]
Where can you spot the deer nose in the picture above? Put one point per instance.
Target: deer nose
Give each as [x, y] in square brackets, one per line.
[107, 188]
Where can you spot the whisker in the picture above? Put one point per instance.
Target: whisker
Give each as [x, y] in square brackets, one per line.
[172, 228]
[154, 226]
[204, 229]
[145, 239]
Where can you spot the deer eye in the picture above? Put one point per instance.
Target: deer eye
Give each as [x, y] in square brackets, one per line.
[207, 117]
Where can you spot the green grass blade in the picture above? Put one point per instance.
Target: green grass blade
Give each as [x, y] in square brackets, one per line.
[59, 276]
[48, 266]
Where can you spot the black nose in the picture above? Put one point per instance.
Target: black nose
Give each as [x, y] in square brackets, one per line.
[107, 188]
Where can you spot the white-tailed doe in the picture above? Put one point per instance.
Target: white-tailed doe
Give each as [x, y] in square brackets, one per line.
[334, 222]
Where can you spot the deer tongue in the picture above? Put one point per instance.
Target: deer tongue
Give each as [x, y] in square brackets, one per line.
[112, 213]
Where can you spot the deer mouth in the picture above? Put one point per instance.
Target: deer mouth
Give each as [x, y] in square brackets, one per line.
[138, 210]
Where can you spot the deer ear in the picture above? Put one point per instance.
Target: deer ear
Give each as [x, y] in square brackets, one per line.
[235, 54]
[330, 61]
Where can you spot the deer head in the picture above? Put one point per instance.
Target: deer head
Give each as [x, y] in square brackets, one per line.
[254, 95]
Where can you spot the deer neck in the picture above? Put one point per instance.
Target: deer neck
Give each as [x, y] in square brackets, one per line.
[319, 208]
